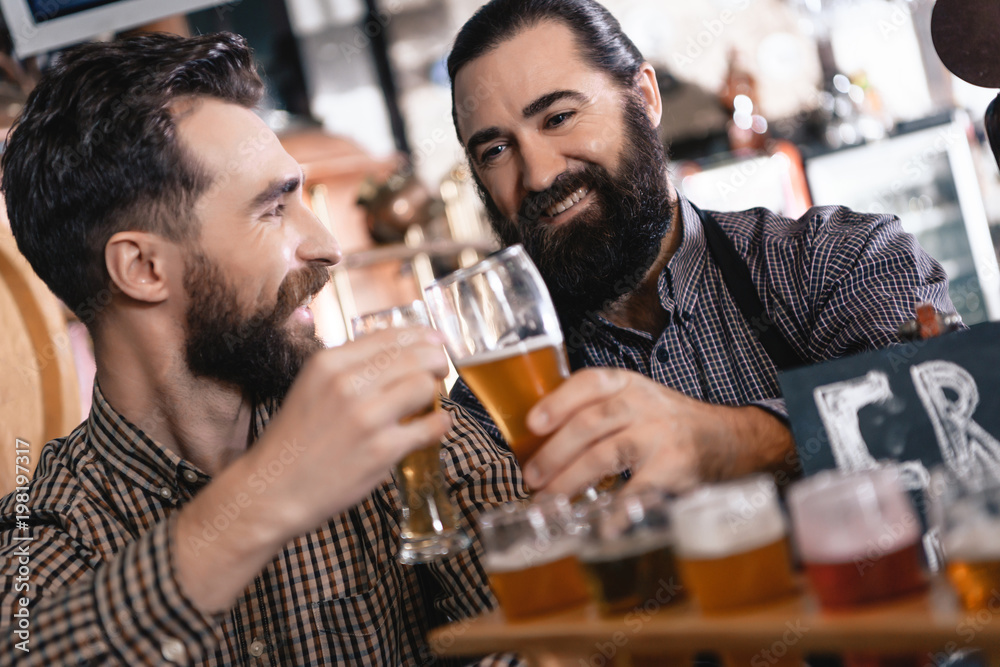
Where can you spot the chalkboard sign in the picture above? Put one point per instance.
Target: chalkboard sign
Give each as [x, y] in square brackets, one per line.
[923, 403]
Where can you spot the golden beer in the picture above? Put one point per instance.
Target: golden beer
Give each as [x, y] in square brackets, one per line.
[751, 577]
[526, 587]
[627, 575]
[510, 381]
[977, 582]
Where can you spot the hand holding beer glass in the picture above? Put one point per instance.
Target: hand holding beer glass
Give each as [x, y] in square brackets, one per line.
[503, 335]
[428, 530]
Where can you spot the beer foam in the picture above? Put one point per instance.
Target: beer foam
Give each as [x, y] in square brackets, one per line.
[977, 540]
[508, 351]
[726, 520]
[529, 553]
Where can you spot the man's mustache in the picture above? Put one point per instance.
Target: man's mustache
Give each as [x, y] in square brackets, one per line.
[534, 204]
[297, 287]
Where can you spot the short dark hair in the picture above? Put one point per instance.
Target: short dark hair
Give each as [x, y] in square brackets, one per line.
[95, 152]
[598, 35]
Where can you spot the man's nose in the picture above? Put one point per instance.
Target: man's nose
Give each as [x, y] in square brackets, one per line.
[317, 244]
[542, 164]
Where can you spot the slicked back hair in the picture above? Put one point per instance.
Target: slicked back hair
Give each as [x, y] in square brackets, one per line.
[598, 35]
[95, 152]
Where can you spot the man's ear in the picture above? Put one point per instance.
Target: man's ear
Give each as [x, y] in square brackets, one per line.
[137, 263]
[650, 92]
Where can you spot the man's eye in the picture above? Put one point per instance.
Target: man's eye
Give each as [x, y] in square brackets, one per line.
[275, 212]
[491, 153]
[559, 119]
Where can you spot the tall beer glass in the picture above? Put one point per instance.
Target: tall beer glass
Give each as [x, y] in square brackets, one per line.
[731, 544]
[968, 518]
[858, 535]
[503, 335]
[530, 556]
[429, 530]
[628, 552]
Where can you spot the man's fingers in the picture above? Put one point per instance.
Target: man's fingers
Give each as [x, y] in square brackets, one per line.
[408, 396]
[595, 422]
[579, 390]
[610, 456]
[394, 442]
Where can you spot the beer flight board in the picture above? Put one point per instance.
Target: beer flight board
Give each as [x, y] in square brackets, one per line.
[930, 625]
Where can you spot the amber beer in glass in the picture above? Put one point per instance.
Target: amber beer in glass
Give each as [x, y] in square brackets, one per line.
[968, 519]
[731, 544]
[530, 556]
[510, 381]
[628, 552]
[429, 530]
[503, 335]
[859, 537]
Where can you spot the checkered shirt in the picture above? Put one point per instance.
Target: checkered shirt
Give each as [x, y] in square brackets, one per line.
[102, 588]
[835, 282]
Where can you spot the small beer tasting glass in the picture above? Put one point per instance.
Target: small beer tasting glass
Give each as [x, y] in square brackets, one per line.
[732, 548]
[858, 535]
[530, 556]
[628, 552]
[429, 530]
[966, 512]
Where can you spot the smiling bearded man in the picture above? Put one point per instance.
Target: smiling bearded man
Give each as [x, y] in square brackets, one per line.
[605, 251]
[676, 320]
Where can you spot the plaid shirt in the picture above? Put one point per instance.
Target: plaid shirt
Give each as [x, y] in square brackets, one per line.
[102, 589]
[835, 282]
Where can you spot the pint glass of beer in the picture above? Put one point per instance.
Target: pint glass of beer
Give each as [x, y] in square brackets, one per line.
[429, 530]
[968, 518]
[529, 553]
[858, 535]
[628, 552]
[503, 335]
[731, 544]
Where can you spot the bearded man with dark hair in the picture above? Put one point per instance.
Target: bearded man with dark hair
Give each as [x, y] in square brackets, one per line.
[188, 520]
[676, 320]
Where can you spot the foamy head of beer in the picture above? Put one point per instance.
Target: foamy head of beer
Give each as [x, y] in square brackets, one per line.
[843, 517]
[530, 553]
[519, 535]
[727, 519]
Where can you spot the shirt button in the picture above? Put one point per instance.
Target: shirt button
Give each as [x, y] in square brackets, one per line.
[173, 650]
[166, 493]
[256, 648]
[662, 355]
[190, 476]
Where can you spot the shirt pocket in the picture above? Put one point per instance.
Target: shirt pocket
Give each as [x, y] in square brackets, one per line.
[366, 615]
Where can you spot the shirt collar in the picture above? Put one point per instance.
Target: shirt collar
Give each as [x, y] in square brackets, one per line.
[686, 266]
[139, 458]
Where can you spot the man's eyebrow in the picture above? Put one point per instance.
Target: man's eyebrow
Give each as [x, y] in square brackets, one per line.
[535, 107]
[548, 99]
[481, 137]
[274, 191]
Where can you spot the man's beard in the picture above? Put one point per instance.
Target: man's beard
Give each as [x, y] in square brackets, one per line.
[254, 352]
[604, 252]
